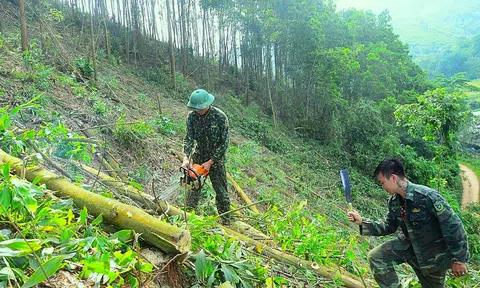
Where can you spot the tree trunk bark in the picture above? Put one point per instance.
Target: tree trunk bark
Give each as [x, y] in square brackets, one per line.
[39, 9]
[23, 25]
[170, 46]
[94, 61]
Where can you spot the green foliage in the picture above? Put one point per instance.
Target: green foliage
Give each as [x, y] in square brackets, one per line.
[165, 125]
[10, 142]
[310, 236]
[131, 135]
[84, 66]
[436, 117]
[369, 139]
[56, 15]
[471, 222]
[222, 258]
[51, 227]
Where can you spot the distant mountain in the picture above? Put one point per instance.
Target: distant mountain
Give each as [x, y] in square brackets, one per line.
[441, 34]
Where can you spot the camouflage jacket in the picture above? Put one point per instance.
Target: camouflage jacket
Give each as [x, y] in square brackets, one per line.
[210, 131]
[432, 228]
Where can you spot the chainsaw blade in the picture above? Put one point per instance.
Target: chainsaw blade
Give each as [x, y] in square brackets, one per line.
[170, 190]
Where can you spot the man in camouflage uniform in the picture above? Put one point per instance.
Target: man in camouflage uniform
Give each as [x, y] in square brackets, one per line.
[432, 238]
[208, 127]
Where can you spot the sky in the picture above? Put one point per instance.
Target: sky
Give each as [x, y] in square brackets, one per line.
[400, 11]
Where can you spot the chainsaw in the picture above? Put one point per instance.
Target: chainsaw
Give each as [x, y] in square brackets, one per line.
[193, 178]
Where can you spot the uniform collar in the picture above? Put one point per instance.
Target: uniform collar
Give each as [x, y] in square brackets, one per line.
[410, 190]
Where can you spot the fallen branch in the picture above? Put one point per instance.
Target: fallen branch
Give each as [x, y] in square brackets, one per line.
[243, 207]
[48, 160]
[242, 194]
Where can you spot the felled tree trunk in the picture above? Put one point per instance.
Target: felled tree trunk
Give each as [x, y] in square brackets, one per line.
[168, 238]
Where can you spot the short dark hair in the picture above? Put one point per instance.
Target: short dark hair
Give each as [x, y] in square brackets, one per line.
[390, 166]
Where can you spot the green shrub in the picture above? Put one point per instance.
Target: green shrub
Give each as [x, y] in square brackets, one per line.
[131, 135]
[85, 67]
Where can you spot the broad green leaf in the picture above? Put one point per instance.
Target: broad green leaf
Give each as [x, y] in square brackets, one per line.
[7, 273]
[50, 267]
[230, 275]
[19, 245]
[211, 278]
[4, 122]
[6, 171]
[201, 265]
[7, 252]
[138, 186]
[124, 236]
[133, 281]
[15, 110]
[6, 197]
[146, 267]
[36, 180]
[97, 220]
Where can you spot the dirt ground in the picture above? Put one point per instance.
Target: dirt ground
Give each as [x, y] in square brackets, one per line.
[471, 189]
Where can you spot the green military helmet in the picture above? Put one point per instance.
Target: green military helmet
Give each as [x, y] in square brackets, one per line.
[200, 99]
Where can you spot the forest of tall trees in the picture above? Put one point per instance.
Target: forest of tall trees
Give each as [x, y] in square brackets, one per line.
[301, 61]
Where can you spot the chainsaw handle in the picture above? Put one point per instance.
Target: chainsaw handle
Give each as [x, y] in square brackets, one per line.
[187, 170]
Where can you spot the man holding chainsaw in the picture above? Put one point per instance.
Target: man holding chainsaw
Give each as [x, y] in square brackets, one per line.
[432, 237]
[205, 143]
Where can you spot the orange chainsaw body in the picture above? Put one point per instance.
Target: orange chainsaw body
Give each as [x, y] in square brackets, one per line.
[193, 177]
[198, 170]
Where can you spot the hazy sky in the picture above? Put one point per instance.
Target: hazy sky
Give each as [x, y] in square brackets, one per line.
[410, 17]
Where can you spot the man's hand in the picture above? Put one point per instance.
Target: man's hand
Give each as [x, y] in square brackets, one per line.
[459, 269]
[354, 217]
[185, 162]
[207, 165]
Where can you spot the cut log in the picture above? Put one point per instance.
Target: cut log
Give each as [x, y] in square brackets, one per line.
[168, 238]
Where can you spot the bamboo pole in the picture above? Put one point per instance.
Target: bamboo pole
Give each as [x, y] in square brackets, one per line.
[242, 194]
[168, 238]
[349, 280]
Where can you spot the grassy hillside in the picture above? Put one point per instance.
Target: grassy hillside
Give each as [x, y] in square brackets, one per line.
[139, 122]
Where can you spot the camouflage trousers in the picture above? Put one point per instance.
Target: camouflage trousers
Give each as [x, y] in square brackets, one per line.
[218, 177]
[383, 257]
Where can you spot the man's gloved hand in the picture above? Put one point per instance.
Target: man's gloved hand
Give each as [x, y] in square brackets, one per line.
[207, 165]
[185, 162]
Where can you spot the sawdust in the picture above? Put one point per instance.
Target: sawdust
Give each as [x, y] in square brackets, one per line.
[471, 189]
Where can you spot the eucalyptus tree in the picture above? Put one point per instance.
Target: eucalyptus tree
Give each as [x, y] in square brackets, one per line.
[23, 25]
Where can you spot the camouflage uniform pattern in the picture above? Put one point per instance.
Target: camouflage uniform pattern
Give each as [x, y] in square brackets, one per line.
[430, 240]
[210, 132]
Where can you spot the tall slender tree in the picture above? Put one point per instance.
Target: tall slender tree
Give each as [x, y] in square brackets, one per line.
[23, 25]
[171, 48]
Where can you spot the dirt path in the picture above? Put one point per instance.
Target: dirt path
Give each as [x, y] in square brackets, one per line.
[471, 189]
